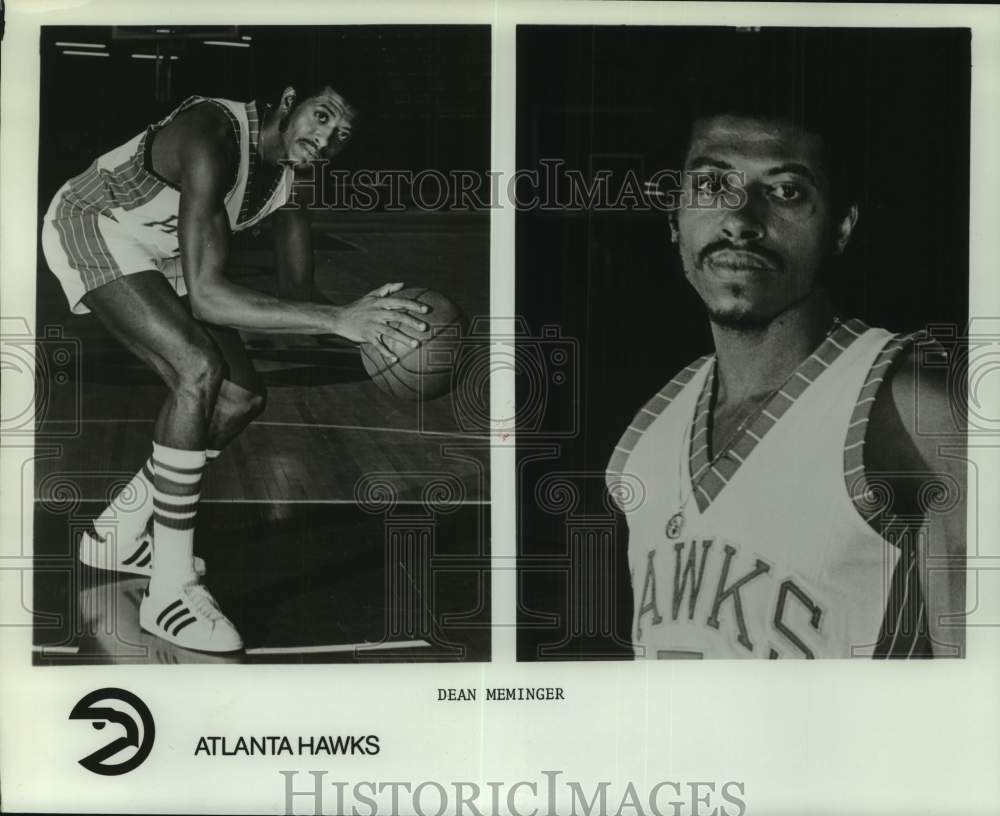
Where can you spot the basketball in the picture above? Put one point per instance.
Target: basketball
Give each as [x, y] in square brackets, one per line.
[424, 372]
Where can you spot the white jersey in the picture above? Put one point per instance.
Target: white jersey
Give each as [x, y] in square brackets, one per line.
[119, 217]
[771, 551]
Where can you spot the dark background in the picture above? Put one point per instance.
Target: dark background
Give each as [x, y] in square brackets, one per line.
[420, 89]
[624, 98]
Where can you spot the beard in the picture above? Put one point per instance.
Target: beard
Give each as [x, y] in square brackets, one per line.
[740, 310]
[739, 319]
[743, 319]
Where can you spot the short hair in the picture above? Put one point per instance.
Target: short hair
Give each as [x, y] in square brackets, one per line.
[307, 85]
[306, 88]
[785, 75]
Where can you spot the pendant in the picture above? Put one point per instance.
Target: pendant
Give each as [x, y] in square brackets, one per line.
[675, 525]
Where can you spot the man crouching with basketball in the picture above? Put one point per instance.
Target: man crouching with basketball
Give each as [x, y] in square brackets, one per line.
[149, 222]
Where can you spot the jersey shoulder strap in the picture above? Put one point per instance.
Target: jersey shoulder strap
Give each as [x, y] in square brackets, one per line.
[615, 477]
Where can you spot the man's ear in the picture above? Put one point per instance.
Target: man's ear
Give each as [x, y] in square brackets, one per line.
[844, 229]
[674, 234]
[288, 98]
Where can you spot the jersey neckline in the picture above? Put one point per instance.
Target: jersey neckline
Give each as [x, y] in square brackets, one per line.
[708, 476]
[254, 165]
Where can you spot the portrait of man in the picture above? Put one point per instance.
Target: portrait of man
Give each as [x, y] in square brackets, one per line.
[796, 486]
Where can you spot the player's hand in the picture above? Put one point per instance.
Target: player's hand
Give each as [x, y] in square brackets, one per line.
[378, 316]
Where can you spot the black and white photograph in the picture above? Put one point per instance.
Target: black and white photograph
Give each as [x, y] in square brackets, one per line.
[260, 309]
[490, 408]
[745, 253]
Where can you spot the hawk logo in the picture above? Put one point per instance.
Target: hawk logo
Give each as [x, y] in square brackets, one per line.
[167, 225]
[139, 730]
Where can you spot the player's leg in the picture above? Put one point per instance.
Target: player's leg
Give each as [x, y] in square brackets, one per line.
[297, 281]
[86, 252]
[144, 313]
[294, 284]
[129, 516]
[242, 394]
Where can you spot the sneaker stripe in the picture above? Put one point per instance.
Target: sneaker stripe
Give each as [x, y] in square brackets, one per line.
[145, 561]
[211, 632]
[176, 617]
[138, 553]
[167, 611]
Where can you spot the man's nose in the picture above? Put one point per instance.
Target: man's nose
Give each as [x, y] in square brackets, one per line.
[744, 223]
[324, 133]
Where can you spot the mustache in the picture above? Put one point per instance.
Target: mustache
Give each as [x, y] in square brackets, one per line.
[768, 255]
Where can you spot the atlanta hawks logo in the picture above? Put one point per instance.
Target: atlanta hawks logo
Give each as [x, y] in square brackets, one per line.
[138, 726]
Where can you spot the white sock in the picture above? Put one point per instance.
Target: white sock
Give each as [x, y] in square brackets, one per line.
[176, 492]
[127, 515]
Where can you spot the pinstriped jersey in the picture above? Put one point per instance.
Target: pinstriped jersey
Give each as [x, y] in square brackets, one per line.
[122, 186]
[769, 549]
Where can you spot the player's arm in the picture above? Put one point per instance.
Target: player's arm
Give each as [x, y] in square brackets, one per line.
[203, 232]
[934, 449]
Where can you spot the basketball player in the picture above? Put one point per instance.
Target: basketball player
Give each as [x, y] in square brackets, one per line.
[780, 499]
[150, 222]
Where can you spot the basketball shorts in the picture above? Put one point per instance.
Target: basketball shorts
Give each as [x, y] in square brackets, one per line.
[86, 250]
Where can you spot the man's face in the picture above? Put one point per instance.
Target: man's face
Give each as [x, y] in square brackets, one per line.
[317, 128]
[752, 254]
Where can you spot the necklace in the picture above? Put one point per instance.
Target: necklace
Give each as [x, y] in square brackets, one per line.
[675, 524]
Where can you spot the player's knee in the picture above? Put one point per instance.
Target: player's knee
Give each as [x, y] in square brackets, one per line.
[242, 402]
[201, 374]
[254, 403]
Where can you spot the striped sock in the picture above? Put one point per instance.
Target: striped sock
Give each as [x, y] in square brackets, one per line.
[175, 505]
[129, 511]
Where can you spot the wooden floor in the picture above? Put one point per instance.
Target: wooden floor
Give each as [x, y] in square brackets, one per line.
[328, 440]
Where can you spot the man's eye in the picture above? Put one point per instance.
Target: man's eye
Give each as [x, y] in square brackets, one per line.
[786, 192]
[323, 117]
[709, 183]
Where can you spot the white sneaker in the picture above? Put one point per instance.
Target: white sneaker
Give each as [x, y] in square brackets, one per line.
[135, 556]
[189, 617]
